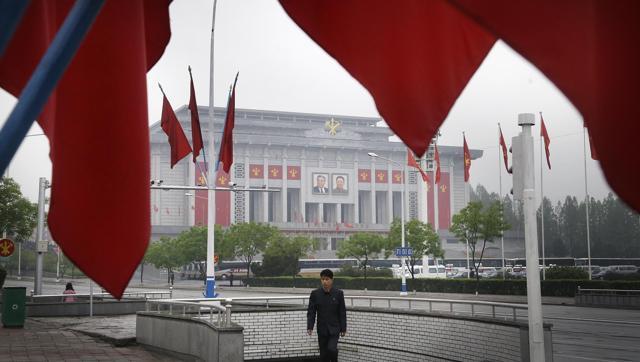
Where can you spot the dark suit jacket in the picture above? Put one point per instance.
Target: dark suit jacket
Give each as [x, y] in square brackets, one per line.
[331, 311]
[319, 190]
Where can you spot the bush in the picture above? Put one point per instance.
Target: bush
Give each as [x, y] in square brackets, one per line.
[3, 274]
[549, 288]
[566, 272]
[349, 271]
[618, 276]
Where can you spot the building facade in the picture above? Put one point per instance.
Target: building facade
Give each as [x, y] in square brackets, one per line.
[329, 187]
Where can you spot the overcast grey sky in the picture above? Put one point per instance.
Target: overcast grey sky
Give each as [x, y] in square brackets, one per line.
[282, 69]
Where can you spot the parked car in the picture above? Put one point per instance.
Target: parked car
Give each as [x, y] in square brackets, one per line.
[623, 269]
[488, 272]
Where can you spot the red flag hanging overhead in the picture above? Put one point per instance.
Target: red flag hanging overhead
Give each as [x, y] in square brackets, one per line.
[411, 161]
[467, 159]
[503, 146]
[547, 140]
[226, 146]
[179, 143]
[196, 132]
[436, 157]
[106, 81]
[417, 50]
[592, 148]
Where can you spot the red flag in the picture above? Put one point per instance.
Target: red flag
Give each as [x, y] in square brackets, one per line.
[503, 146]
[196, 132]
[436, 157]
[226, 146]
[179, 143]
[411, 161]
[547, 140]
[106, 81]
[467, 159]
[592, 148]
[417, 50]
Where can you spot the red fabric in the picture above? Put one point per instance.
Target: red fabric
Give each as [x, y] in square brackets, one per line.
[503, 146]
[223, 199]
[256, 171]
[293, 172]
[424, 50]
[431, 213]
[275, 172]
[179, 143]
[226, 146]
[381, 176]
[545, 136]
[201, 197]
[436, 157]
[444, 202]
[592, 148]
[396, 177]
[97, 126]
[196, 132]
[467, 158]
[411, 161]
[364, 175]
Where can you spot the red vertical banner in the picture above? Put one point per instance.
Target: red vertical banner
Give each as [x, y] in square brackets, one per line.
[396, 176]
[223, 199]
[431, 210]
[256, 171]
[364, 175]
[444, 202]
[293, 172]
[381, 176]
[275, 172]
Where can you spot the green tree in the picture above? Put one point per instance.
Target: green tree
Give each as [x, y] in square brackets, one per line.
[165, 254]
[362, 247]
[18, 216]
[473, 224]
[419, 236]
[192, 245]
[282, 255]
[250, 239]
[554, 245]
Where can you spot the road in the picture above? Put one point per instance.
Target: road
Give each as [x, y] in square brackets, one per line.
[580, 334]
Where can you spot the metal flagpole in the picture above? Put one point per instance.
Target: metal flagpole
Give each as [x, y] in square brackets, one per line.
[210, 289]
[500, 193]
[466, 202]
[586, 192]
[542, 207]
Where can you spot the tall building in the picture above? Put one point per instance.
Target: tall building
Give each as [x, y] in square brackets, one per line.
[329, 187]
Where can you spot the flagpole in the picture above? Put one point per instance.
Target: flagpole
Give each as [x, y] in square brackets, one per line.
[500, 193]
[542, 208]
[210, 289]
[466, 202]
[586, 192]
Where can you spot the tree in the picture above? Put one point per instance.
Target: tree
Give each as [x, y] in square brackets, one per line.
[362, 247]
[282, 254]
[18, 216]
[473, 224]
[192, 245]
[420, 237]
[250, 239]
[165, 254]
[554, 246]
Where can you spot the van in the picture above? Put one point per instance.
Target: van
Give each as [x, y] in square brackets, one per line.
[420, 272]
[622, 269]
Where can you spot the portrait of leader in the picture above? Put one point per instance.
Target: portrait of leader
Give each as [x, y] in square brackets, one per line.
[340, 184]
[320, 183]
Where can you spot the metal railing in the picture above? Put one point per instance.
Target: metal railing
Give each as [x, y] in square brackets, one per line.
[504, 311]
[128, 295]
[633, 292]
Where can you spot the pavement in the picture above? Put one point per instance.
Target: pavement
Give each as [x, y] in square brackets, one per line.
[579, 333]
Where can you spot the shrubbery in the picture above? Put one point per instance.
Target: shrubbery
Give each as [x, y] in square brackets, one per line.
[3, 274]
[566, 272]
[349, 271]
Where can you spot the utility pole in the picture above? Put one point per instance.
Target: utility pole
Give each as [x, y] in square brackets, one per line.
[41, 245]
[524, 189]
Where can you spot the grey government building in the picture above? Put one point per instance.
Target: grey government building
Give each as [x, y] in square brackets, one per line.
[329, 186]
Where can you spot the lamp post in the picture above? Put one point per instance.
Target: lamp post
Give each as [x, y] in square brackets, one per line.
[403, 288]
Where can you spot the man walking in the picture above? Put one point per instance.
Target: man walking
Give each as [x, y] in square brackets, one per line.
[328, 303]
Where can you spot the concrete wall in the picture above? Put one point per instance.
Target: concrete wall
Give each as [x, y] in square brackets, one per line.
[192, 336]
[631, 301]
[82, 308]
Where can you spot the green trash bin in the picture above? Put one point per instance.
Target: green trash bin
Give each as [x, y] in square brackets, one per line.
[13, 306]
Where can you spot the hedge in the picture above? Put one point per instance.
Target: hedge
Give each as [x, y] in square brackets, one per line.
[3, 274]
[549, 288]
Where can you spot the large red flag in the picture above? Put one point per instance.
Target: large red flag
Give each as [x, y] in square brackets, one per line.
[411, 161]
[547, 140]
[226, 146]
[503, 146]
[98, 129]
[592, 148]
[417, 50]
[467, 158]
[179, 143]
[196, 132]
[436, 157]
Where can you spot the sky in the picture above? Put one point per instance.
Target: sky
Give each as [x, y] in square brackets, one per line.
[282, 69]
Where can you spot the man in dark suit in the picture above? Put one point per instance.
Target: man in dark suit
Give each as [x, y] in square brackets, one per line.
[321, 185]
[328, 303]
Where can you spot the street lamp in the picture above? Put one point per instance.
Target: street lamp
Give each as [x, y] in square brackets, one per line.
[403, 288]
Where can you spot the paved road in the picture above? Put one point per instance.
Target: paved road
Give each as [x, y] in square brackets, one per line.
[579, 333]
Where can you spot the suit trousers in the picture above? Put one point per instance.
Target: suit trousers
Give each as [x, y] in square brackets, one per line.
[328, 348]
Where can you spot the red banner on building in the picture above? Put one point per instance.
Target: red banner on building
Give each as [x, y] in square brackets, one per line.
[293, 172]
[396, 177]
[381, 176]
[275, 172]
[364, 175]
[223, 199]
[444, 202]
[256, 171]
[431, 210]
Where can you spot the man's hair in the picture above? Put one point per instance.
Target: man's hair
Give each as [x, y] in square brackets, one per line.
[339, 177]
[320, 177]
[326, 273]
